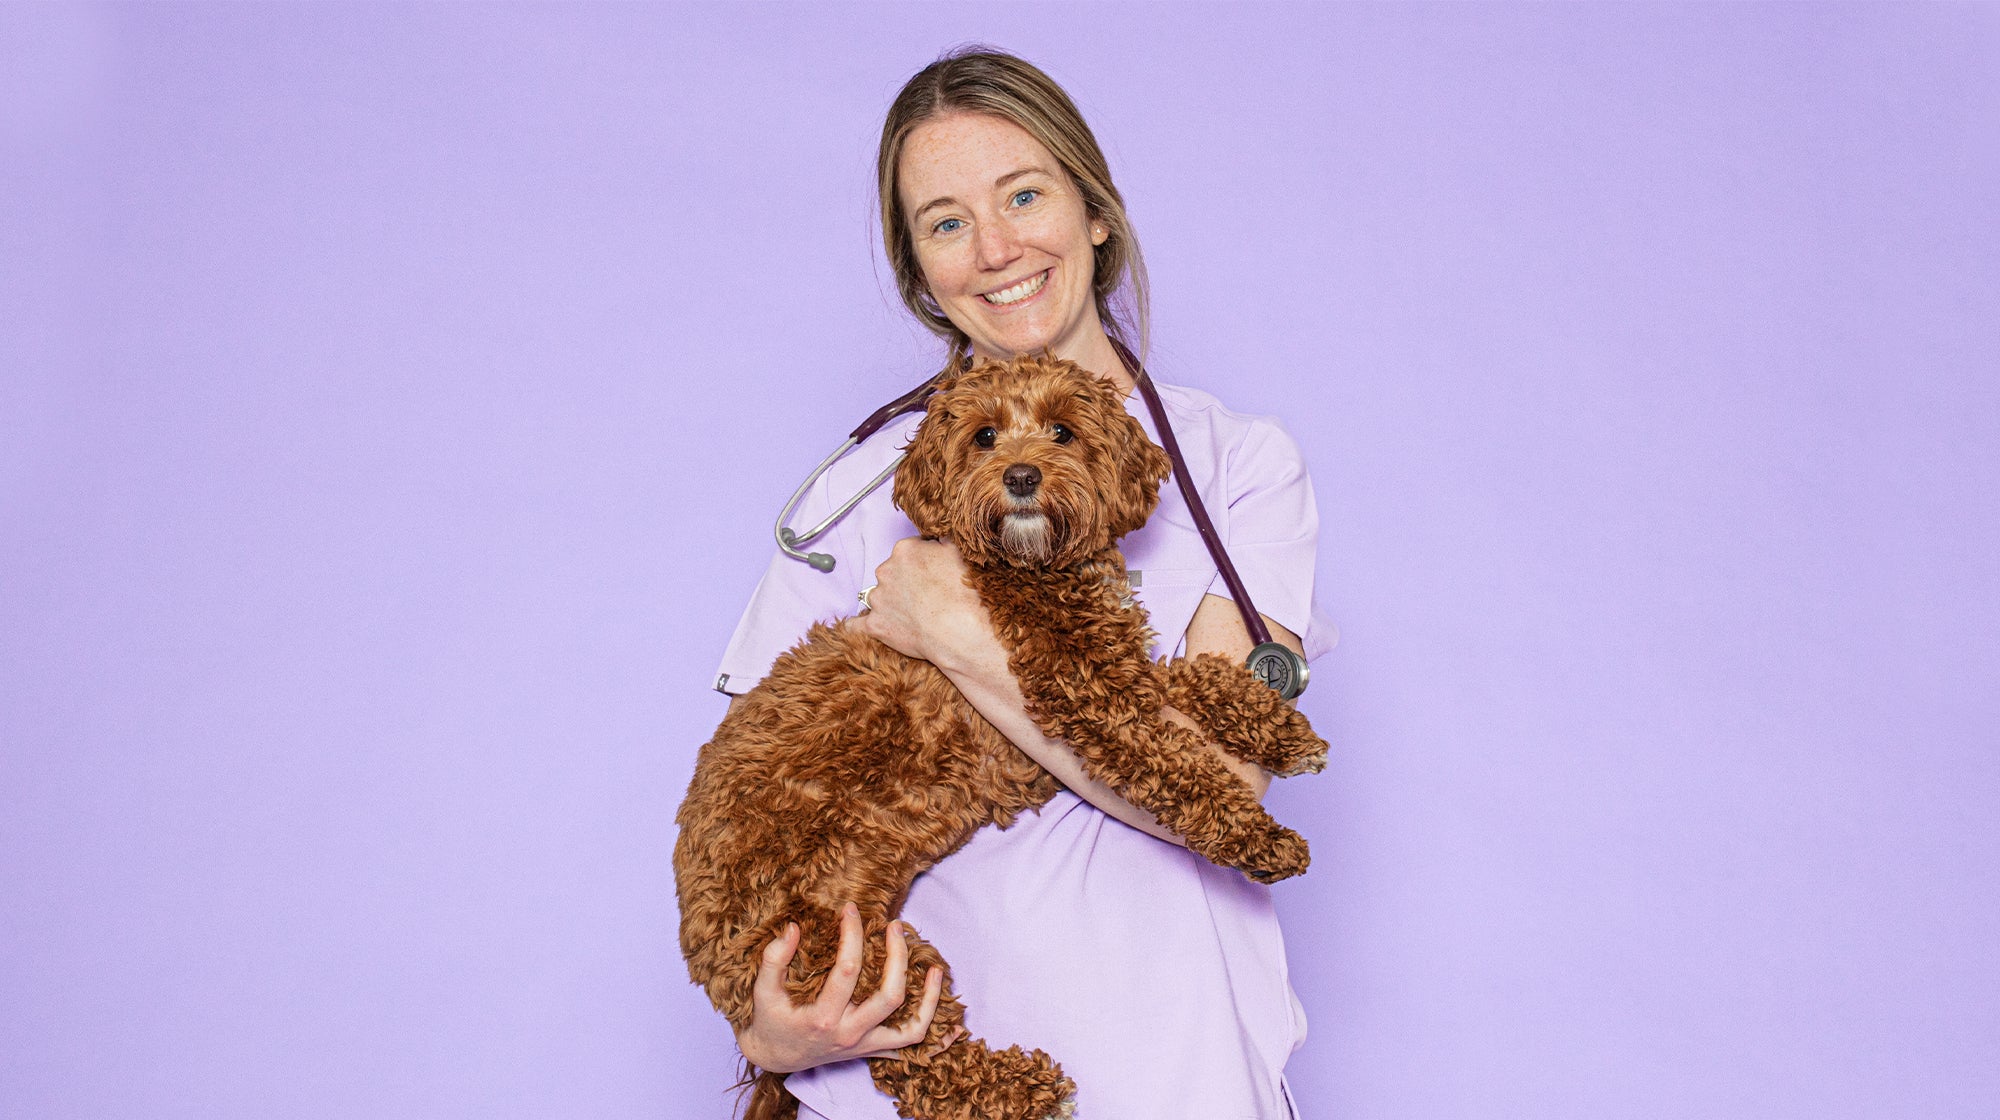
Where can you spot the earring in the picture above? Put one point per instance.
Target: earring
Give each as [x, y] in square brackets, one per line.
[1098, 235]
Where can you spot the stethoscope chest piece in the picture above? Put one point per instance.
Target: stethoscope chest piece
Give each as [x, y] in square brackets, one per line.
[1281, 668]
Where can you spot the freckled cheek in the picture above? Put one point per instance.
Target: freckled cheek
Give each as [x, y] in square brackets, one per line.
[1056, 234]
[944, 270]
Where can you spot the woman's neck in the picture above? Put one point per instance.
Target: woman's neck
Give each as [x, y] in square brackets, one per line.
[1093, 352]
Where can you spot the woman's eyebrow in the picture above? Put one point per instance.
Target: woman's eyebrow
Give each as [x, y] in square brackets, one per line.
[1017, 173]
[932, 205]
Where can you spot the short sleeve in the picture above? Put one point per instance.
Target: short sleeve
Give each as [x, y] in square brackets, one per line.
[1273, 534]
[789, 599]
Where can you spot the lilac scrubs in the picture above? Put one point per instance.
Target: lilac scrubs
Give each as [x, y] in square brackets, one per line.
[1157, 979]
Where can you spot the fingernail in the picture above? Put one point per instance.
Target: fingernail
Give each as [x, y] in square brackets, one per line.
[896, 927]
[850, 910]
[791, 929]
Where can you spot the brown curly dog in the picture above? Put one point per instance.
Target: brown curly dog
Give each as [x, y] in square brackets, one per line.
[852, 768]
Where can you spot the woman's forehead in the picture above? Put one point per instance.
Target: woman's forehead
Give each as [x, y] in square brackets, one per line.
[964, 153]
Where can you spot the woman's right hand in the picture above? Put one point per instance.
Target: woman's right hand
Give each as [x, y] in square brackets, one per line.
[921, 607]
[784, 1037]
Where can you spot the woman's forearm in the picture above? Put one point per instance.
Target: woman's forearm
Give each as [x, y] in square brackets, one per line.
[982, 675]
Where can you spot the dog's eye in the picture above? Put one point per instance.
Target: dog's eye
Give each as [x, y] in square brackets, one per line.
[984, 437]
[1063, 434]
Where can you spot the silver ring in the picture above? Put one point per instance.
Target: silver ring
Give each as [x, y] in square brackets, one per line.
[864, 596]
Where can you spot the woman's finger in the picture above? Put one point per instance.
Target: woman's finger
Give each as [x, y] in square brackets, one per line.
[895, 968]
[887, 1040]
[839, 989]
[770, 987]
[933, 991]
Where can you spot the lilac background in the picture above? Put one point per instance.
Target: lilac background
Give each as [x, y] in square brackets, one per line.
[395, 400]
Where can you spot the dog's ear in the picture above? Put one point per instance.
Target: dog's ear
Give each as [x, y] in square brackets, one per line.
[921, 479]
[1138, 466]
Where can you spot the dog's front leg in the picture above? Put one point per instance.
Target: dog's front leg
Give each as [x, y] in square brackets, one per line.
[1170, 770]
[1243, 715]
[1081, 663]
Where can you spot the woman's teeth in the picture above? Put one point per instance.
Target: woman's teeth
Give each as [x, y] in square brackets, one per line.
[1019, 291]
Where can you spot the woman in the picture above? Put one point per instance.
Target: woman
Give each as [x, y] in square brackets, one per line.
[1157, 979]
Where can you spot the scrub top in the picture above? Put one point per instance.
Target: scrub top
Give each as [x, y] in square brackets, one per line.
[1157, 979]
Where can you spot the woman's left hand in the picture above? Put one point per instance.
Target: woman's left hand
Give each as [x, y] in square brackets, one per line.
[922, 607]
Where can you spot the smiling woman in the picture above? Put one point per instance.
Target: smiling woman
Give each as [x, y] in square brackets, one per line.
[1085, 929]
[1005, 244]
[992, 187]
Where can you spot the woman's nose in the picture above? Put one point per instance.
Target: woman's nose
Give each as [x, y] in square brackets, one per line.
[998, 247]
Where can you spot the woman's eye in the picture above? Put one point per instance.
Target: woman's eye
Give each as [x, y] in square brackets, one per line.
[1063, 434]
[949, 225]
[1023, 197]
[985, 437]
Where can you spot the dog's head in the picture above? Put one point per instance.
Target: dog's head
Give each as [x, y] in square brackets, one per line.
[1033, 463]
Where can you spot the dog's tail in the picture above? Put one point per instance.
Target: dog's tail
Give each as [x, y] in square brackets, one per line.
[769, 1099]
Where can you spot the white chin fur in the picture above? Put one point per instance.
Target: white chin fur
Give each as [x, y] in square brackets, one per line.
[1026, 535]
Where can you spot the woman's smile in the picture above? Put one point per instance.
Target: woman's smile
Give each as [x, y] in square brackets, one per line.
[1017, 293]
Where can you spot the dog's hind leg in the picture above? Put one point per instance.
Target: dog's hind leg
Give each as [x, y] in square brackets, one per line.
[966, 1080]
[1243, 715]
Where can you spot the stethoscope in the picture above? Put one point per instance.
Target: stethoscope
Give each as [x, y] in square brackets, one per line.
[1276, 665]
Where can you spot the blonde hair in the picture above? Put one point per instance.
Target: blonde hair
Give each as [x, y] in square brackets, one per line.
[978, 79]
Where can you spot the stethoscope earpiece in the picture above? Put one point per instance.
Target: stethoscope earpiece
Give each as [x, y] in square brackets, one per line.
[817, 561]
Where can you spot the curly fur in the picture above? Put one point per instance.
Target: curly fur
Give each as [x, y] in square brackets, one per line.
[851, 768]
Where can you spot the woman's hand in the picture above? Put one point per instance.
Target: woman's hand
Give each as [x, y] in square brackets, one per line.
[922, 607]
[784, 1037]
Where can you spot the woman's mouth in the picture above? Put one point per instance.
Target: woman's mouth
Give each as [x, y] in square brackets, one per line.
[1017, 292]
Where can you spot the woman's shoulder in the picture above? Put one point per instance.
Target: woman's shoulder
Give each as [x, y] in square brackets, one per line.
[1245, 440]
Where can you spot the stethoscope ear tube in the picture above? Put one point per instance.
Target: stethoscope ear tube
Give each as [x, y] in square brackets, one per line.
[790, 540]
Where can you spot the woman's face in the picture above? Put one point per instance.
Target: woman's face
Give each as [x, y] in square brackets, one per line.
[1001, 235]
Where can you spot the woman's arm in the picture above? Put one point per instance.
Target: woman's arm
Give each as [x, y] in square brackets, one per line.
[923, 608]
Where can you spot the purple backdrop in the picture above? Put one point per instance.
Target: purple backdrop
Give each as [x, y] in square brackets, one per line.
[395, 401]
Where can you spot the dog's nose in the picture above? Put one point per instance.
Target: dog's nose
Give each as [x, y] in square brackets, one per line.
[1022, 479]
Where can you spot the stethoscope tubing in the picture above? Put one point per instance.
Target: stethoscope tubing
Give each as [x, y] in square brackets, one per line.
[790, 542]
[1275, 664]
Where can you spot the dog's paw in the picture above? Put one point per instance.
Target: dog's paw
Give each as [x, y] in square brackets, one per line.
[1309, 758]
[1296, 747]
[1282, 854]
